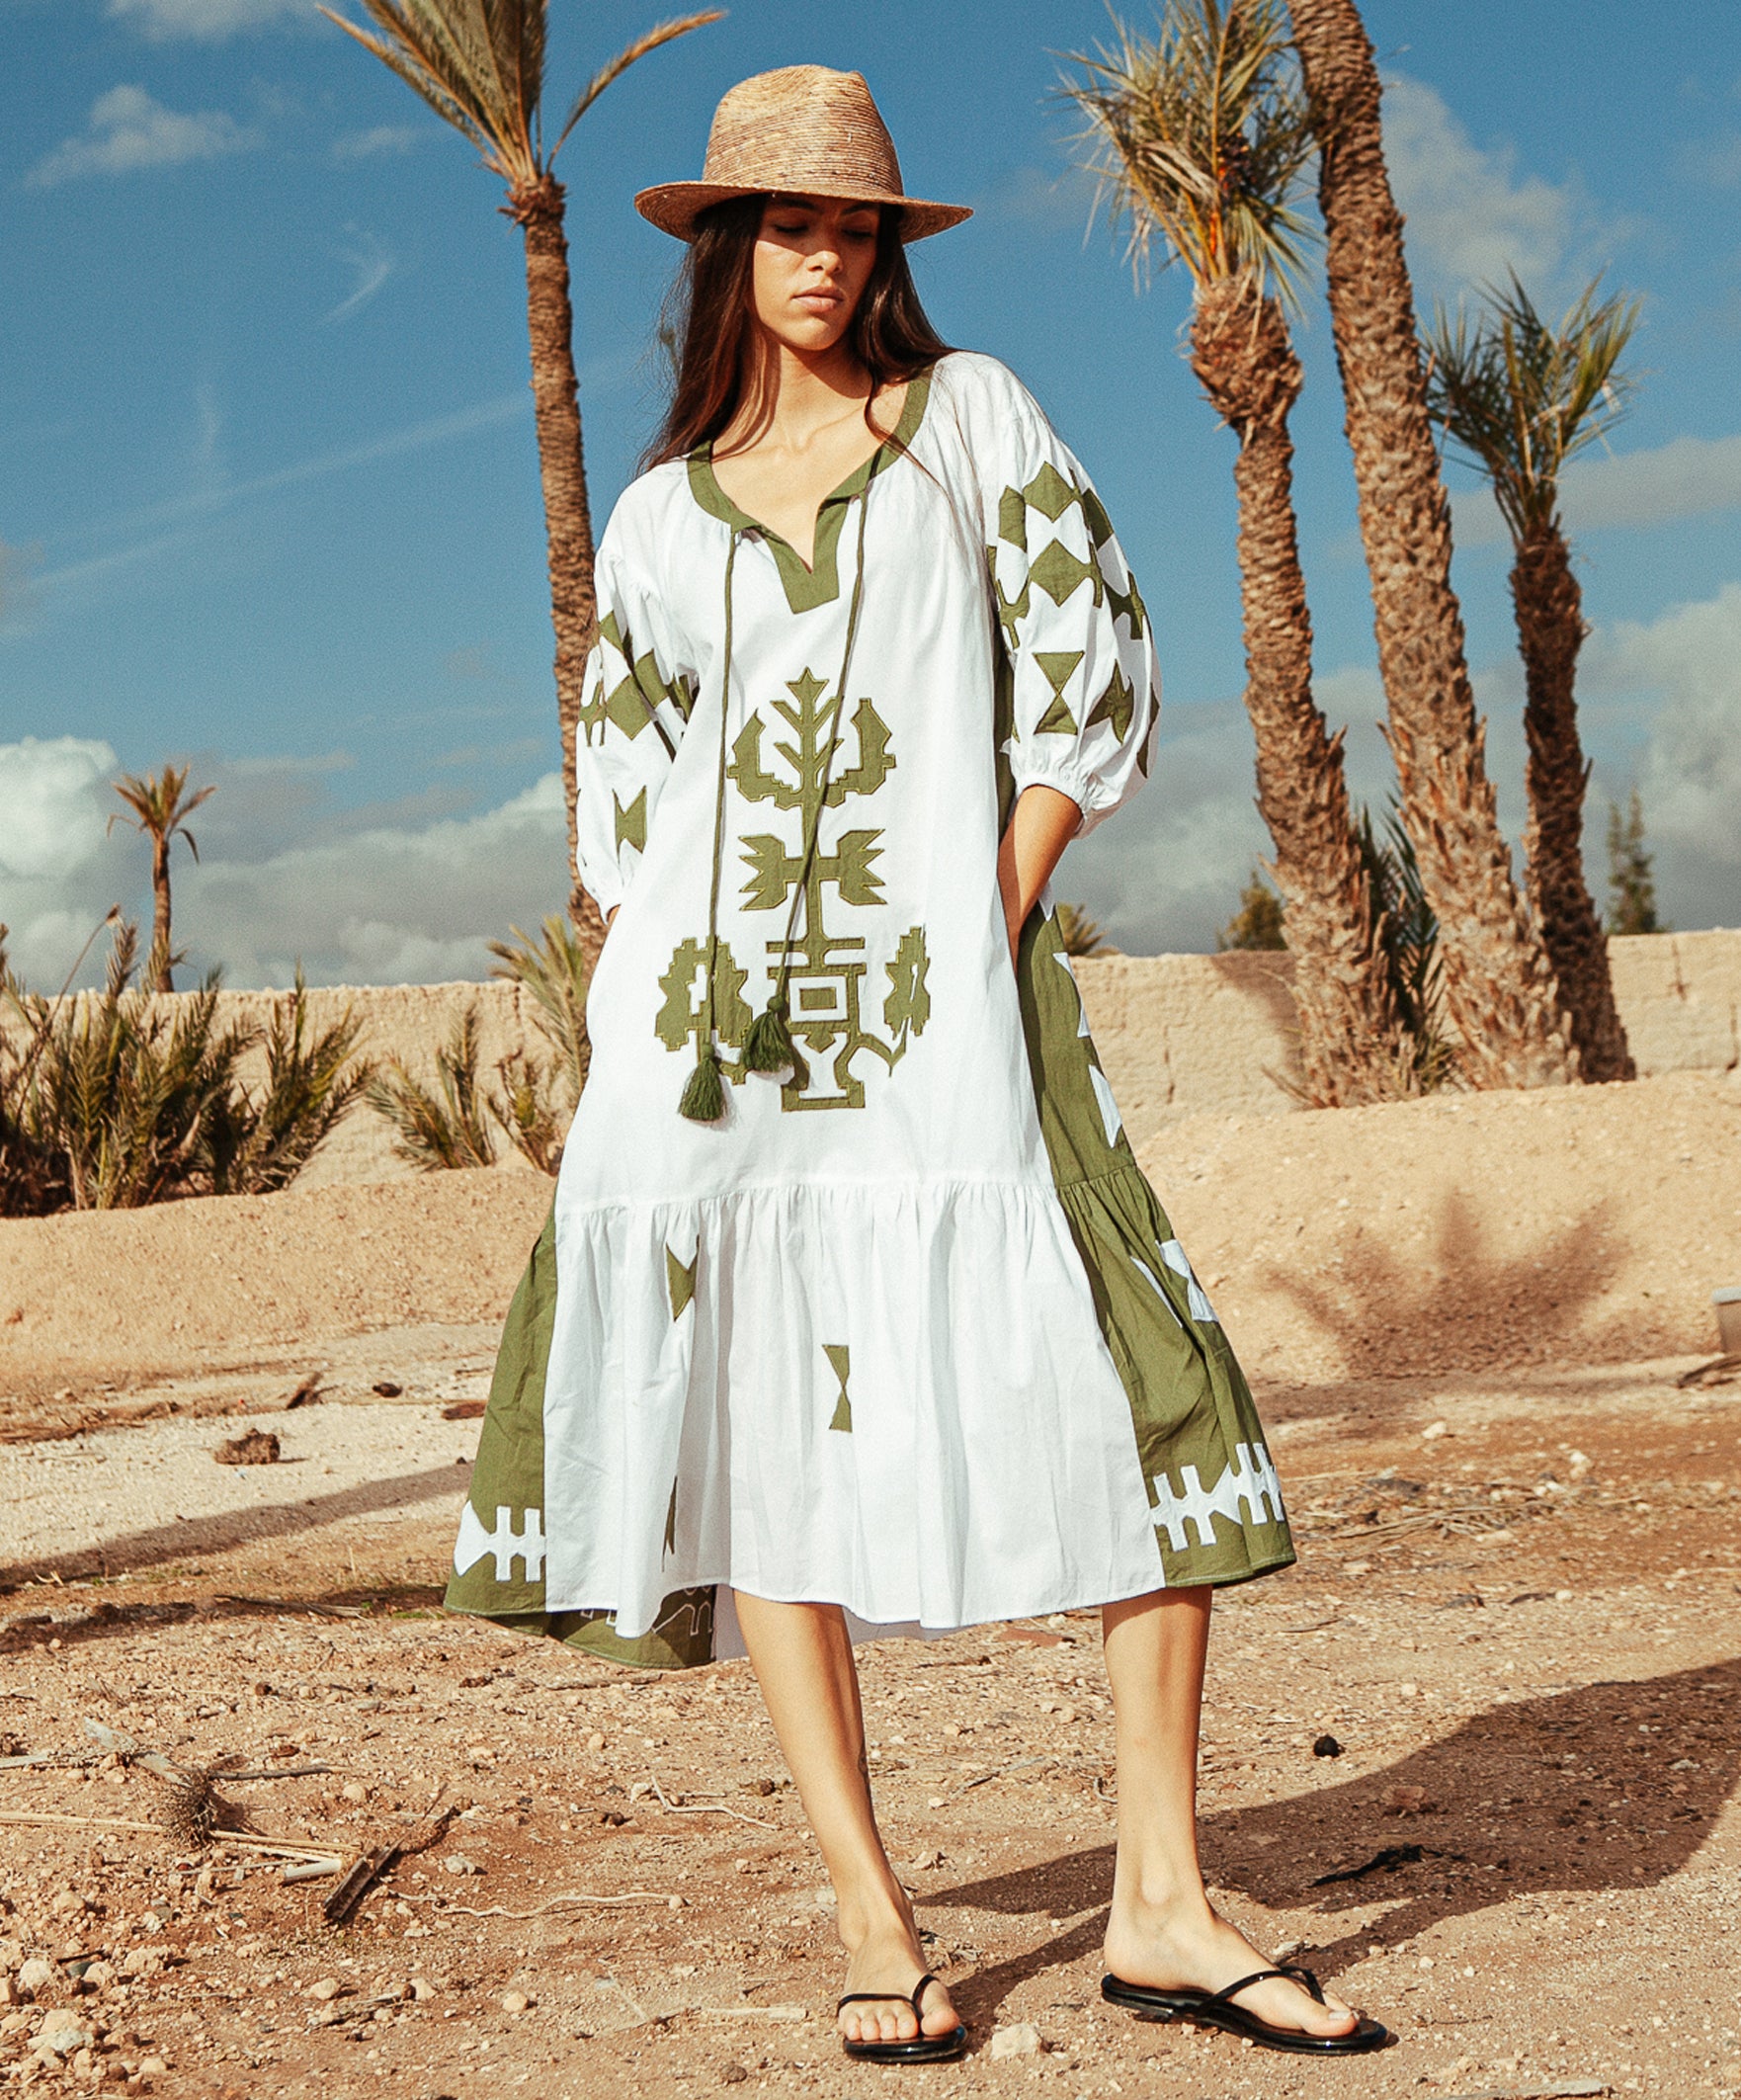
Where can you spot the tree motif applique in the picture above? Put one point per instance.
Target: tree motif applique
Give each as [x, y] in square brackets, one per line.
[826, 968]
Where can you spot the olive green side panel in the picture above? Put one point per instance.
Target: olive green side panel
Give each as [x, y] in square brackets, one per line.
[499, 1561]
[1217, 1507]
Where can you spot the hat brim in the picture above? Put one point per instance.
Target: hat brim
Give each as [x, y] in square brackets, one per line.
[673, 207]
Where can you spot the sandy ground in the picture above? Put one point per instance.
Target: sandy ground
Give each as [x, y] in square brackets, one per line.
[1523, 1629]
[1518, 1612]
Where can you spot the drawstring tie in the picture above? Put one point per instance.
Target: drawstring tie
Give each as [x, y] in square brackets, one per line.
[769, 1045]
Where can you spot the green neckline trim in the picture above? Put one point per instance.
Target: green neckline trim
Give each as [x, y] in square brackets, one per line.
[807, 588]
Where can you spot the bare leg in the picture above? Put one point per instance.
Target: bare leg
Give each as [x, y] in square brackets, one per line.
[803, 1663]
[1163, 1930]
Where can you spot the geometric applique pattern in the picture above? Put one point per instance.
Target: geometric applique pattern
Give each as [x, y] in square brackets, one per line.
[840, 1358]
[680, 1280]
[631, 823]
[505, 1544]
[1247, 1492]
[1116, 704]
[1176, 1259]
[1058, 667]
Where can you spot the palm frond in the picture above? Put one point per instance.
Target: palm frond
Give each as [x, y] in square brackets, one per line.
[477, 63]
[553, 971]
[443, 1127]
[1520, 396]
[663, 33]
[1198, 141]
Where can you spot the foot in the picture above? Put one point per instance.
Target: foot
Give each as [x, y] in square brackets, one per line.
[1179, 1948]
[890, 1960]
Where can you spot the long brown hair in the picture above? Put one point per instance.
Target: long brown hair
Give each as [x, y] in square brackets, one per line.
[711, 317]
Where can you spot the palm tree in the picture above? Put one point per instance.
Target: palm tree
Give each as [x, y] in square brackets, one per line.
[161, 807]
[1499, 989]
[1521, 398]
[479, 64]
[1200, 139]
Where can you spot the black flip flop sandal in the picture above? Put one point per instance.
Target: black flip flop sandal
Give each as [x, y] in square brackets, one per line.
[918, 2049]
[1215, 2008]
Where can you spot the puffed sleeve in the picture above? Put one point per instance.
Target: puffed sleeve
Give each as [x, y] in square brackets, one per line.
[637, 700]
[1086, 685]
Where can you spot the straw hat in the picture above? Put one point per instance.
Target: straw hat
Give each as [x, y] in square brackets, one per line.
[802, 129]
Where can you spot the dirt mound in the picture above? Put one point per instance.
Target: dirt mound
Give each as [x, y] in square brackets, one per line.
[1465, 1232]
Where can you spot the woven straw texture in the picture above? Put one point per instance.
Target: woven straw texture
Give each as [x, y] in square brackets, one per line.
[803, 128]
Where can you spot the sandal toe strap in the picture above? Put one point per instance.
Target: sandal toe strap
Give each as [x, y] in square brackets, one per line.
[1303, 1976]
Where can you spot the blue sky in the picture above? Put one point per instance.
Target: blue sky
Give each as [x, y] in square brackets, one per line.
[268, 485]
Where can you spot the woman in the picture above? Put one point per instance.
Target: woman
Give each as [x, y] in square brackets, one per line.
[855, 1313]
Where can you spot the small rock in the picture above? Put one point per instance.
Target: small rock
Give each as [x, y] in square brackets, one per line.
[594, 1741]
[387, 1389]
[259, 1446]
[1434, 1430]
[99, 1974]
[326, 1990]
[763, 1786]
[9, 1994]
[152, 2067]
[733, 2075]
[11, 1953]
[422, 1990]
[142, 1962]
[355, 1790]
[826, 1899]
[516, 2001]
[64, 2033]
[1408, 1801]
[68, 1904]
[37, 1975]
[457, 1862]
[1326, 1746]
[1022, 2040]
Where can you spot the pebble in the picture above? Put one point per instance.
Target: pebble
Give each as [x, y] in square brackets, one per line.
[594, 1741]
[152, 2067]
[142, 1962]
[422, 1990]
[457, 1862]
[37, 1975]
[326, 1990]
[1022, 2040]
[516, 2001]
[65, 2032]
[354, 1790]
[68, 1904]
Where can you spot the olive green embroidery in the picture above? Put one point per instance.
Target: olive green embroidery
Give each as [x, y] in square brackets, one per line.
[631, 703]
[1116, 704]
[840, 1357]
[671, 1522]
[1060, 574]
[827, 971]
[681, 1016]
[1010, 612]
[1059, 667]
[680, 1280]
[631, 823]
[1012, 518]
[1050, 493]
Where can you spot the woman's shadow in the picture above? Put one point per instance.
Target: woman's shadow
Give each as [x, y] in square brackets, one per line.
[1610, 1787]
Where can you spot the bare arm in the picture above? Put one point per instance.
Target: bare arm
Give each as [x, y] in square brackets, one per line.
[1041, 825]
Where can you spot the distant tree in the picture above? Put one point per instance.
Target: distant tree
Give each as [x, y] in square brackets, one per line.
[1520, 396]
[1201, 139]
[1259, 921]
[479, 64]
[160, 807]
[1632, 886]
[1081, 935]
[1498, 987]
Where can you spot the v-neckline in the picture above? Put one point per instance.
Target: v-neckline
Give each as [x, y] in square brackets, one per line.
[818, 584]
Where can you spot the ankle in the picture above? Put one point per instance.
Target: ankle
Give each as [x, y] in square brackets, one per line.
[1164, 1900]
[872, 1912]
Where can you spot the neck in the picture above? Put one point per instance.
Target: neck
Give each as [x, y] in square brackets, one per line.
[794, 392]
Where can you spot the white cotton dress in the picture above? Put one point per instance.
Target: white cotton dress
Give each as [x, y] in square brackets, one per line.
[844, 1343]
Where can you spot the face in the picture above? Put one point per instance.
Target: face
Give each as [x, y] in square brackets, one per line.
[813, 259]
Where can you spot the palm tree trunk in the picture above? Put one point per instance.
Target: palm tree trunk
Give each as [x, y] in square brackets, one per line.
[164, 978]
[1498, 987]
[1352, 1044]
[1551, 630]
[569, 525]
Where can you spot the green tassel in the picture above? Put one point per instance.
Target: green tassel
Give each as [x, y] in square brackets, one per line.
[704, 1097]
[769, 1048]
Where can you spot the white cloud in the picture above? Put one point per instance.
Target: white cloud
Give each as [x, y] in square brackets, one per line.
[360, 898]
[1472, 217]
[204, 19]
[378, 139]
[1682, 674]
[128, 131]
[1688, 477]
[370, 263]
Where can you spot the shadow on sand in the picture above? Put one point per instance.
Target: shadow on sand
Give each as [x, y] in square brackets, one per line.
[1612, 1785]
[196, 1535]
